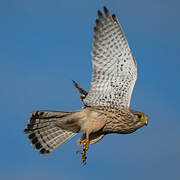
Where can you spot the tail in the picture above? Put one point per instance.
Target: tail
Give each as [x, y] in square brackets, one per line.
[46, 134]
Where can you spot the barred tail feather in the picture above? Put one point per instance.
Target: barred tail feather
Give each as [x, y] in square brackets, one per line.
[44, 133]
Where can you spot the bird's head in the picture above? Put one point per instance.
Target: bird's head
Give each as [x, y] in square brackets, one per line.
[142, 118]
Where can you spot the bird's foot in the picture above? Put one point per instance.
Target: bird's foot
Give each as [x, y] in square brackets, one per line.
[84, 157]
[85, 143]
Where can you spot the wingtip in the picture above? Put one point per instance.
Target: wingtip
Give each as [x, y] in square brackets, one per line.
[106, 11]
[114, 17]
[97, 21]
[95, 29]
[99, 14]
[75, 83]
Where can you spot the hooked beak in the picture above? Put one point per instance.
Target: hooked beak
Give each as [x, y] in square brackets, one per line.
[146, 121]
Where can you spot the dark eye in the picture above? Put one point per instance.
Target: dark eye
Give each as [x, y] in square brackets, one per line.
[139, 116]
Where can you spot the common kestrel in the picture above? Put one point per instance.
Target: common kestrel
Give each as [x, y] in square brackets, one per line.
[106, 106]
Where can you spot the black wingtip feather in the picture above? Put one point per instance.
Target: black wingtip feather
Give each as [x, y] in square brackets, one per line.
[106, 11]
[95, 29]
[99, 13]
[82, 91]
[114, 17]
[97, 21]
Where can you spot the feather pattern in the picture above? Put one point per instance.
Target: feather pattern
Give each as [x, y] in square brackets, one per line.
[114, 67]
[45, 135]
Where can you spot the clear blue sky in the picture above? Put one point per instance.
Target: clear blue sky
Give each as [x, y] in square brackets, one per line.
[44, 44]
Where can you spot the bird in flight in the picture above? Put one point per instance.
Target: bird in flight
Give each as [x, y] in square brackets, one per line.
[105, 107]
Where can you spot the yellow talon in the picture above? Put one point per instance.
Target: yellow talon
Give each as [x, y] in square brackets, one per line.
[85, 143]
[84, 157]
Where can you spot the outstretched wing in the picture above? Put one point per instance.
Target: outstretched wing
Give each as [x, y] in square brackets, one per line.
[114, 67]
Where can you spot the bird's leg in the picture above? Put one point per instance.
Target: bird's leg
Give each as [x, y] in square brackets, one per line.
[84, 157]
[85, 143]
